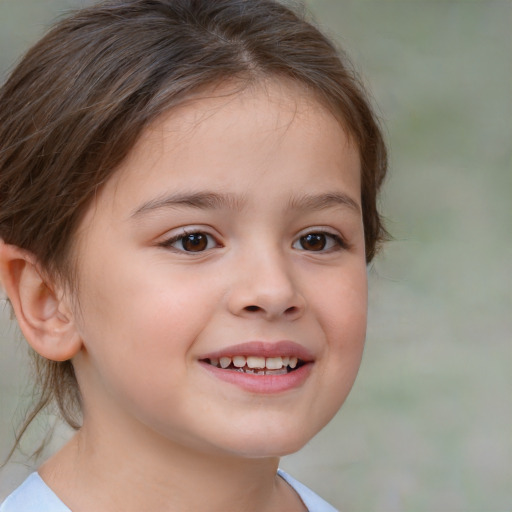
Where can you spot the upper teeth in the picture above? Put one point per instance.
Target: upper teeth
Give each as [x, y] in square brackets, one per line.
[270, 363]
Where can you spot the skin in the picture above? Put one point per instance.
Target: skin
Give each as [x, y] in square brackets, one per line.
[158, 429]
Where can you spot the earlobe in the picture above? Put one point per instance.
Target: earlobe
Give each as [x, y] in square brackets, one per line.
[43, 316]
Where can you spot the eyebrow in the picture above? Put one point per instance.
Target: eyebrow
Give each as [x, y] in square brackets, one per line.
[199, 200]
[214, 201]
[323, 201]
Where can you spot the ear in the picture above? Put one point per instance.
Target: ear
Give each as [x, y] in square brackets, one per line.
[41, 310]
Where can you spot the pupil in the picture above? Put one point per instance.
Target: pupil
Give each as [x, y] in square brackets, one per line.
[313, 241]
[195, 242]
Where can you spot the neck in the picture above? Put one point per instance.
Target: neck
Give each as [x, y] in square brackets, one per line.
[125, 473]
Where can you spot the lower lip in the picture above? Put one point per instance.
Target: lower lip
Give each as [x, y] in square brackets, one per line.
[264, 384]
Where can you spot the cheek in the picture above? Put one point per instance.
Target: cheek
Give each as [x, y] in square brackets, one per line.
[344, 317]
[343, 306]
[343, 323]
[137, 323]
[135, 352]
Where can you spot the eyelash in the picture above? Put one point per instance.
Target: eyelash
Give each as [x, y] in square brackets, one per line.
[337, 242]
[183, 235]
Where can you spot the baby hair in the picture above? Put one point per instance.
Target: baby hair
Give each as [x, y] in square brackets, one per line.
[78, 101]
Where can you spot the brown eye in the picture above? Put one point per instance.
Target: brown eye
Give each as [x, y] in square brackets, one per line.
[319, 241]
[197, 241]
[313, 241]
[194, 242]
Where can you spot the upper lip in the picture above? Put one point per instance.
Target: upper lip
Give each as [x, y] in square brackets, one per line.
[283, 348]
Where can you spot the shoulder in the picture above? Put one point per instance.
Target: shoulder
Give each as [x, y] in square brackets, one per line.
[312, 501]
[33, 495]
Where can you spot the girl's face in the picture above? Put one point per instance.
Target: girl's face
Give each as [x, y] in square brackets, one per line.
[231, 236]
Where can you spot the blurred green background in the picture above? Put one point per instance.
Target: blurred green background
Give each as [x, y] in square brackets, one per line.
[428, 426]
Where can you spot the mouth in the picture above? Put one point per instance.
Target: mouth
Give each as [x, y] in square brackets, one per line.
[257, 365]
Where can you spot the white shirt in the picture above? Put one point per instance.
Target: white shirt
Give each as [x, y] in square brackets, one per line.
[33, 495]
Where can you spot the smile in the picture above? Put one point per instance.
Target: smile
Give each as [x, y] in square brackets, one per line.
[257, 365]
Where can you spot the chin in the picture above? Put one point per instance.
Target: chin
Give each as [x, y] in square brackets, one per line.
[277, 443]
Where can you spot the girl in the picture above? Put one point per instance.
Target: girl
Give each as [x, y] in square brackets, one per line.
[188, 205]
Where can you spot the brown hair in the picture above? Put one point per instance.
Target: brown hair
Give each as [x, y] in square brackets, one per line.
[76, 104]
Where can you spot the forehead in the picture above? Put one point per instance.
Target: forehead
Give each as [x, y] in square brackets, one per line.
[272, 105]
[231, 131]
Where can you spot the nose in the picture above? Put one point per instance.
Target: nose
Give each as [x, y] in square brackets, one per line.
[266, 286]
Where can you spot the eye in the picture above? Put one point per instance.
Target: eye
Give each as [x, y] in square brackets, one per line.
[196, 241]
[318, 241]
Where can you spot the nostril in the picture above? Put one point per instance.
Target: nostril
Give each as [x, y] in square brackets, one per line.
[252, 308]
[291, 310]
